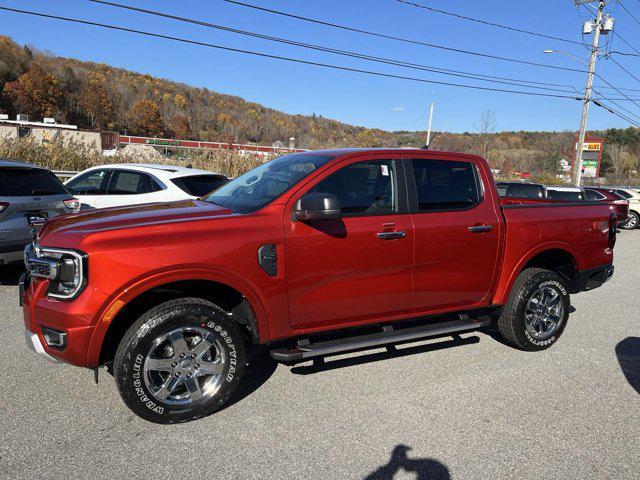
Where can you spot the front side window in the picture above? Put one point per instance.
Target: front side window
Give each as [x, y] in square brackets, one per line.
[92, 183]
[363, 188]
[594, 196]
[445, 185]
[260, 186]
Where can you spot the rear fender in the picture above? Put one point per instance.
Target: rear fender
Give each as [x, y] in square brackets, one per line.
[510, 274]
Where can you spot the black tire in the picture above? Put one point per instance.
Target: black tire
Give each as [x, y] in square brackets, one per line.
[188, 315]
[632, 222]
[513, 325]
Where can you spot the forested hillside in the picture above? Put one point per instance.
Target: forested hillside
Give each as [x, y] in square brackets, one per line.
[103, 97]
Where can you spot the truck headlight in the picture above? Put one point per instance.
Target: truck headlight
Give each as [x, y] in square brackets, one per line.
[65, 269]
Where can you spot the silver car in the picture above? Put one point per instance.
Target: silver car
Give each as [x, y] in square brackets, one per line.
[29, 196]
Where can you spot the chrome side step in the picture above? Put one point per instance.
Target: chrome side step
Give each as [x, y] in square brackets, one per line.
[389, 335]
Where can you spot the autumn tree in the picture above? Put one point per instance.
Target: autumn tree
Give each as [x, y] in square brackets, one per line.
[95, 102]
[486, 127]
[37, 93]
[145, 119]
[180, 127]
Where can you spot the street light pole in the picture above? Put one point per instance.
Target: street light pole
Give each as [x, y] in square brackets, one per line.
[577, 164]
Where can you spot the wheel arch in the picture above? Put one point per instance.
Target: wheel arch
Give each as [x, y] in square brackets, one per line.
[554, 257]
[229, 292]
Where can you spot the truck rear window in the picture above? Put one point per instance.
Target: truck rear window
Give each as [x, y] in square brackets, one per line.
[199, 185]
[26, 182]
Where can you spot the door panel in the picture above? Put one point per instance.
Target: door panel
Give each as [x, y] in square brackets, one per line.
[342, 271]
[457, 235]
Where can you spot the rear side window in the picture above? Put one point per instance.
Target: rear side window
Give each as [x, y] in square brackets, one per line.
[364, 188]
[199, 185]
[445, 185]
[26, 182]
[124, 182]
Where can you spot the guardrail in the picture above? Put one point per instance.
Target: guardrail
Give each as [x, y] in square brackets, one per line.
[64, 175]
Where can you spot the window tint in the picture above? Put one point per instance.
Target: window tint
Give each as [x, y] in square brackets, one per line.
[24, 182]
[520, 190]
[199, 185]
[444, 185]
[594, 196]
[364, 188]
[570, 195]
[91, 183]
[124, 182]
[263, 184]
[623, 194]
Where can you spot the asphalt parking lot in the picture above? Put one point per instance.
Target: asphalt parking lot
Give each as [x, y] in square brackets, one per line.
[468, 409]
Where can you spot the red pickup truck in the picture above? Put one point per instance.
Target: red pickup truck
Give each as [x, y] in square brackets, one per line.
[313, 254]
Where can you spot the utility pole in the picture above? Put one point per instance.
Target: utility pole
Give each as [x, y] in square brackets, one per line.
[430, 120]
[577, 164]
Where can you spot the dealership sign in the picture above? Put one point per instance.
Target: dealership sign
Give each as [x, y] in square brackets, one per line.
[591, 156]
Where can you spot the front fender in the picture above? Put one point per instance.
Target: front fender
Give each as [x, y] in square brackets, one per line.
[118, 299]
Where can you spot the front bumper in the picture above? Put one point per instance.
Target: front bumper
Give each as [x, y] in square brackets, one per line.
[35, 345]
[594, 277]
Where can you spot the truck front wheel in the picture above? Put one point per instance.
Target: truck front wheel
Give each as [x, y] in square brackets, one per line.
[537, 310]
[179, 361]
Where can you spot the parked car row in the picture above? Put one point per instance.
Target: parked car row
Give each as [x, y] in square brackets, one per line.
[623, 201]
[30, 195]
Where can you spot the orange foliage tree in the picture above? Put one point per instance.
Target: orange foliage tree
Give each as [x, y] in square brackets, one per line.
[145, 119]
[95, 102]
[37, 93]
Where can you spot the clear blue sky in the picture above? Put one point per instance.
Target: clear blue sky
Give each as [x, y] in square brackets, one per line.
[349, 97]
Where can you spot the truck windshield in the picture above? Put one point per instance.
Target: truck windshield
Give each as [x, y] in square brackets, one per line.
[258, 187]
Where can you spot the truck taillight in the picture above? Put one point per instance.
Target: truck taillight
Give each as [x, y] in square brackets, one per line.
[613, 229]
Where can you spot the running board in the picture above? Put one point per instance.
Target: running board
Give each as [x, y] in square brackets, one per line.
[304, 350]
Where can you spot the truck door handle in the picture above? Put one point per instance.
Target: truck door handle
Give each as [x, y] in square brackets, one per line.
[480, 228]
[391, 235]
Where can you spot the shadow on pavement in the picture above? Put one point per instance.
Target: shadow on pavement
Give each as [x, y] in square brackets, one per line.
[10, 274]
[628, 353]
[320, 365]
[260, 367]
[422, 468]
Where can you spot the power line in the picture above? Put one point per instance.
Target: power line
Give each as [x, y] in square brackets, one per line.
[288, 59]
[401, 39]
[486, 22]
[617, 104]
[627, 71]
[627, 10]
[614, 112]
[351, 54]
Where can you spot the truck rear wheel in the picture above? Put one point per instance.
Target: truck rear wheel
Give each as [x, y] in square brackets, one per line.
[537, 310]
[179, 361]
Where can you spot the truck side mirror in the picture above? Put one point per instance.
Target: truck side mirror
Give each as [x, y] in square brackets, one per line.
[317, 206]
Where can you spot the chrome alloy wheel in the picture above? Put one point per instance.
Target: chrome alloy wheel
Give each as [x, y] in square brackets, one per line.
[184, 366]
[632, 222]
[544, 313]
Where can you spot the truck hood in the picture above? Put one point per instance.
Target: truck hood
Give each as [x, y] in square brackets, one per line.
[67, 229]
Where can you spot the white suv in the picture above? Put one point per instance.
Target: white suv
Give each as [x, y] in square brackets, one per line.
[634, 205]
[135, 183]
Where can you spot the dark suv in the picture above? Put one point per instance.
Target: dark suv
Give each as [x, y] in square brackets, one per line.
[29, 195]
